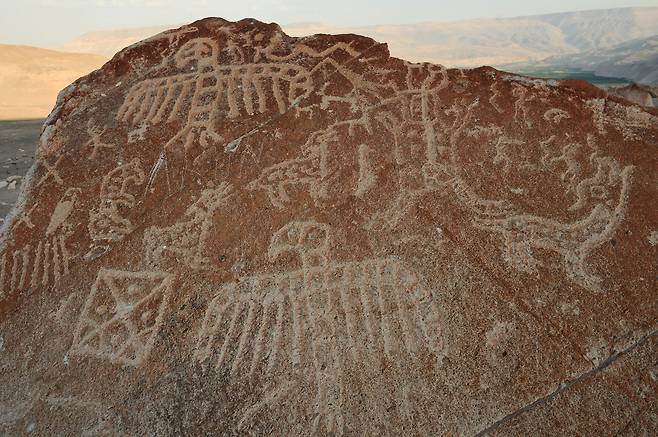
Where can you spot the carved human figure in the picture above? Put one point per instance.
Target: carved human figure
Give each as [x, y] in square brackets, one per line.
[47, 261]
[118, 194]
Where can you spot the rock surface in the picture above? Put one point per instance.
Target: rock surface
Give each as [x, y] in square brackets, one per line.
[228, 231]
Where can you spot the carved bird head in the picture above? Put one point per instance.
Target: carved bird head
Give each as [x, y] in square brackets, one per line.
[202, 51]
[304, 238]
[63, 209]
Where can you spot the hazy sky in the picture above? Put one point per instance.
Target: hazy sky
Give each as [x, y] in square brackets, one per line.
[50, 23]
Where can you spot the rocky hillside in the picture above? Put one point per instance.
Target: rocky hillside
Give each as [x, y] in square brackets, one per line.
[30, 78]
[636, 60]
[232, 231]
[465, 43]
[108, 42]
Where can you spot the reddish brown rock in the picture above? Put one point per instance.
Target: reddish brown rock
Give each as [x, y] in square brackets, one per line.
[232, 231]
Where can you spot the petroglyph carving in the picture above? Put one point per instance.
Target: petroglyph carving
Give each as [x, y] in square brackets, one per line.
[598, 186]
[106, 223]
[311, 171]
[308, 171]
[630, 121]
[505, 152]
[95, 142]
[275, 44]
[573, 241]
[268, 322]
[521, 112]
[26, 218]
[49, 260]
[138, 134]
[122, 315]
[62, 211]
[438, 168]
[495, 95]
[568, 158]
[51, 172]
[604, 195]
[556, 115]
[188, 239]
[499, 354]
[367, 177]
[212, 93]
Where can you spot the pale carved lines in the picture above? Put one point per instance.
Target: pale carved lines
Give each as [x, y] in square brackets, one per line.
[51, 172]
[521, 110]
[33, 266]
[504, 155]
[122, 315]
[26, 218]
[302, 49]
[233, 88]
[495, 95]
[556, 115]
[462, 190]
[106, 223]
[30, 266]
[309, 171]
[607, 175]
[272, 324]
[215, 92]
[188, 239]
[95, 142]
[573, 241]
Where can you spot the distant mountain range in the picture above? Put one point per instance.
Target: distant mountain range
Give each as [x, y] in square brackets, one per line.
[467, 43]
[108, 42]
[30, 78]
[617, 42]
[636, 60]
[499, 41]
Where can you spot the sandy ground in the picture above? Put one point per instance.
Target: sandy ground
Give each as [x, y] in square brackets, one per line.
[18, 142]
[31, 78]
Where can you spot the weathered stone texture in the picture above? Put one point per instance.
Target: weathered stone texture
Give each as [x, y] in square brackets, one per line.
[229, 230]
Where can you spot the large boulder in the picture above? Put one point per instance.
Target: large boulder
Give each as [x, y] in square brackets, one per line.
[228, 230]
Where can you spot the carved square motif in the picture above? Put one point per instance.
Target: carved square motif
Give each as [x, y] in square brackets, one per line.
[122, 315]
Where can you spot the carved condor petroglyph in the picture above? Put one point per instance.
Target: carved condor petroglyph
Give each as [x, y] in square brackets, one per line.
[271, 322]
[212, 93]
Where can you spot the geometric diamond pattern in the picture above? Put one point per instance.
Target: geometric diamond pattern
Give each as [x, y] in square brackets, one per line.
[122, 315]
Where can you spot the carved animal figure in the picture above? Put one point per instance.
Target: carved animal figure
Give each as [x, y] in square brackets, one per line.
[573, 241]
[187, 239]
[309, 171]
[264, 323]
